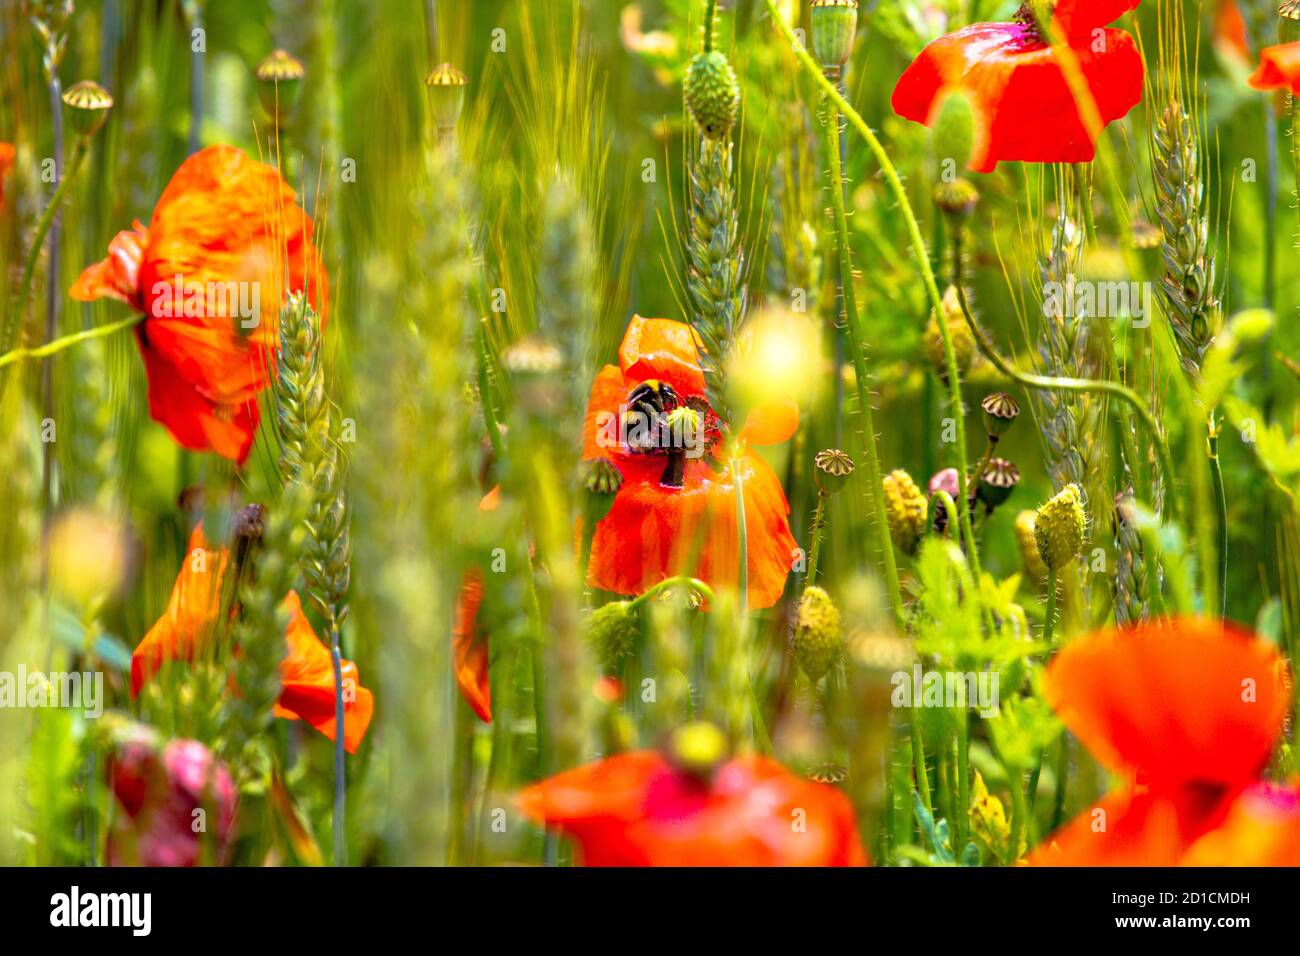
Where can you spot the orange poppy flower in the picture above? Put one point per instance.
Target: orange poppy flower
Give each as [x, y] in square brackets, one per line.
[308, 678]
[188, 626]
[1262, 828]
[1188, 710]
[675, 511]
[7, 154]
[1279, 66]
[638, 809]
[1017, 88]
[226, 243]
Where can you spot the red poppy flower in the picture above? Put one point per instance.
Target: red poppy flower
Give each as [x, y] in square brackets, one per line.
[1229, 32]
[188, 627]
[6, 164]
[1188, 710]
[637, 809]
[226, 243]
[158, 792]
[308, 678]
[676, 510]
[1016, 85]
[1262, 828]
[1279, 66]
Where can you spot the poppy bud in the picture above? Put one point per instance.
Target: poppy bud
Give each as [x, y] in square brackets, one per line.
[1029, 556]
[602, 477]
[956, 198]
[712, 93]
[279, 78]
[698, 748]
[963, 343]
[834, 23]
[446, 95]
[905, 510]
[88, 105]
[833, 470]
[818, 641]
[997, 482]
[611, 629]
[1000, 413]
[954, 129]
[1288, 22]
[1059, 528]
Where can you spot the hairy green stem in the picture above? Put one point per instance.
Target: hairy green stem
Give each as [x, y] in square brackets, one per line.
[818, 523]
[1049, 622]
[67, 341]
[852, 324]
[1221, 506]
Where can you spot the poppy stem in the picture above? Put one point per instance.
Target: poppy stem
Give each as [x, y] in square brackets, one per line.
[1221, 504]
[919, 251]
[340, 769]
[67, 341]
[1049, 621]
[694, 584]
[710, 15]
[818, 524]
[853, 331]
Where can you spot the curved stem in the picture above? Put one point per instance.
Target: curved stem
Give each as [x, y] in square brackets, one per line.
[67, 341]
[919, 251]
[1100, 386]
[855, 343]
[694, 584]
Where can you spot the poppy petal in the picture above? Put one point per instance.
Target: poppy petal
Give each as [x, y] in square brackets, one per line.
[1178, 700]
[308, 677]
[1262, 828]
[1125, 828]
[117, 276]
[662, 350]
[608, 397]
[771, 423]
[1075, 18]
[470, 648]
[1278, 66]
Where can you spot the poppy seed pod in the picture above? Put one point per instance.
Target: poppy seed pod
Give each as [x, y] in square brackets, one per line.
[611, 630]
[1000, 413]
[963, 342]
[833, 470]
[834, 25]
[446, 86]
[279, 79]
[1288, 21]
[1028, 544]
[818, 640]
[602, 477]
[905, 510]
[712, 93]
[997, 482]
[88, 105]
[1059, 528]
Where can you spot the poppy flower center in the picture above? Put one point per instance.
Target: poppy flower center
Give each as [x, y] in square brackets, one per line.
[658, 421]
[1034, 15]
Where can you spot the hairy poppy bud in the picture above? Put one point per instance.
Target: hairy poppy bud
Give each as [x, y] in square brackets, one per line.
[279, 79]
[611, 630]
[956, 198]
[954, 129]
[818, 641]
[1059, 528]
[446, 95]
[1028, 544]
[833, 469]
[905, 510]
[963, 343]
[834, 24]
[88, 105]
[712, 93]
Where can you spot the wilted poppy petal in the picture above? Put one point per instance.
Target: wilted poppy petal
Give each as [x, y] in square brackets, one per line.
[1279, 66]
[187, 626]
[1178, 700]
[653, 532]
[469, 647]
[308, 677]
[662, 350]
[771, 423]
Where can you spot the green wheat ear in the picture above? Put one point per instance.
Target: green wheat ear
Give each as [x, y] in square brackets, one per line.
[311, 458]
[1188, 283]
